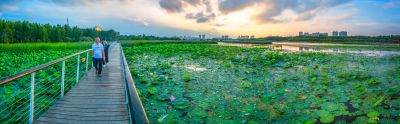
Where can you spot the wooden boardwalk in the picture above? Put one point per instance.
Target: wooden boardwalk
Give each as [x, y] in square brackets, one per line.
[94, 99]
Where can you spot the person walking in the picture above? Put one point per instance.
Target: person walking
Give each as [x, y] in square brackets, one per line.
[106, 48]
[98, 56]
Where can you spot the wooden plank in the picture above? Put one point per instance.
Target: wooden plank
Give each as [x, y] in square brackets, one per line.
[97, 94]
[89, 106]
[100, 86]
[93, 103]
[94, 99]
[47, 120]
[87, 114]
[89, 110]
[99, 89]
[106, 97]
[87, 118]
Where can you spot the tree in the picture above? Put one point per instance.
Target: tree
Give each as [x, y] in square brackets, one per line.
[23, 31]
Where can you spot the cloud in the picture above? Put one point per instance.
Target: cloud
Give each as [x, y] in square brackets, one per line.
[174, 6]
[227, 6]
[204, 12]
[391, 5]
[7, 5]
[171, 5]
[269, 10]
[201, 17]
[305, 9]
[70, 3]
[193, 2]
[184, 17]
[11, 4]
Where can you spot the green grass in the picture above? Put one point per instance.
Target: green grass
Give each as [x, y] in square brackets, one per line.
[43, 46]
[141, 42]
[15, 58]
[248, 41]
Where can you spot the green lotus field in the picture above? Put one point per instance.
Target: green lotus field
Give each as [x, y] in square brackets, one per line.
[15, 58]
[207, 83]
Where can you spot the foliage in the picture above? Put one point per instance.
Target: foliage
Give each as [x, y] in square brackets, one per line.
[24, 32]
[186, 77]
[15, 58]
[259, 85]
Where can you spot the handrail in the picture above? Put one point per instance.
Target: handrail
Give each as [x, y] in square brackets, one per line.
[40, 67]
[135, 106]
[37, 68]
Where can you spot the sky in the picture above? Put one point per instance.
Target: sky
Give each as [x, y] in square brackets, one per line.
[214, 17]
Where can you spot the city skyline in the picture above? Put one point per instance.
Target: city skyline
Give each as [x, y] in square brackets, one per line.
[213, 17]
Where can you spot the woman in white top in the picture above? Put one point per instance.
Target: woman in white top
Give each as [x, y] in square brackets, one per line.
[98, 56]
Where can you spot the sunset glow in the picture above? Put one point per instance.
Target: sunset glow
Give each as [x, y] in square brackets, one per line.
[215, 17]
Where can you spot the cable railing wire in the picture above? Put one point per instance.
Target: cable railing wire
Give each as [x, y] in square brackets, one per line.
[46, 79]
[135, 106]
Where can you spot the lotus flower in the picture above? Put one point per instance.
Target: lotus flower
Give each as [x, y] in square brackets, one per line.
[172, 98]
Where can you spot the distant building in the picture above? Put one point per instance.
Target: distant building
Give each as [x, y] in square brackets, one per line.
[252, 37]
[225, 37]
[244, 37]
[343, 33]
[315, 34]
[202, 36]
[335, 33]
[190, 38]
[323, 34]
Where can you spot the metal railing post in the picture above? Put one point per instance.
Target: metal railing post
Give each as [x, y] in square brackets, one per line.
[87, 63]
[77, 70]
[62, 79]
[32, 99]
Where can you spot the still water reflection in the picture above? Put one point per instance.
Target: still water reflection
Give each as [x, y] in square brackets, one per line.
[372, 50]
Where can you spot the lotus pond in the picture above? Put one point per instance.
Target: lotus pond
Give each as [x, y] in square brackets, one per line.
[207, 83]
[15, 58]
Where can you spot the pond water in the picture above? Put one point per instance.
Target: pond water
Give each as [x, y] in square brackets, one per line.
[359, 49]
[204, 83]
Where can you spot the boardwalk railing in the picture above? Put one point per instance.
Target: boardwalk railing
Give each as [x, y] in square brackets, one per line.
[136, 110]
[28, 94]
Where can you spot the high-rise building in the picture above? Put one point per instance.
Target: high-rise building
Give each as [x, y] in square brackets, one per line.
[300, 33]
[202, 36]
[335, 33]
[306, 34]
[244, 37]
[323, 34]
[225, 37]
[315, 34]
[252, 37]
[343, 33]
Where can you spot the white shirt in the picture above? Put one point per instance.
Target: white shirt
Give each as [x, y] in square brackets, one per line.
[97, 50]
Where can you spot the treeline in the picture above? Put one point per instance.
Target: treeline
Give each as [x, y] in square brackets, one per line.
[144, 37]
[387, 39]
[26, 32]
